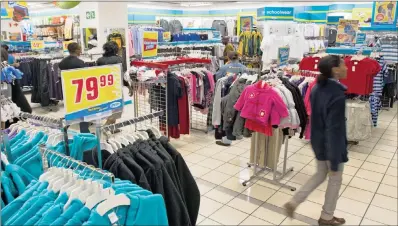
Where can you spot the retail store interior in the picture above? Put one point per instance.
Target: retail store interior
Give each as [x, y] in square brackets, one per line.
[154, 113]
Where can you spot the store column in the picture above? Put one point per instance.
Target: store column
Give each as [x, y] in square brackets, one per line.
[104, 19]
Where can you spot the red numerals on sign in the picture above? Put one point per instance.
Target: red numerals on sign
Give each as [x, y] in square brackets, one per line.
[91, 86]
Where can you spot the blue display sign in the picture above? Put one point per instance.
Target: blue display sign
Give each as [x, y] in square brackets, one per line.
[361, 37]
[275, 13]
[283, 56]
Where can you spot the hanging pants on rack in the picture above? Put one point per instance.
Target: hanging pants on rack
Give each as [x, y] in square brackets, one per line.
[274, 147]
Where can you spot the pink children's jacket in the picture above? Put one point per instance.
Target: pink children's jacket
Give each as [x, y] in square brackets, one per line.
[261, 104]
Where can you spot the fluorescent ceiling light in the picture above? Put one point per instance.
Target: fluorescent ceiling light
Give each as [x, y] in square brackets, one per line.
[195, 4]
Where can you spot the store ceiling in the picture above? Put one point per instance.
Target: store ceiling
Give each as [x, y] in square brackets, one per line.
[196, 5]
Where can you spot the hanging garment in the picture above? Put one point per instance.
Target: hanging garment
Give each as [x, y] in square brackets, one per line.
[221, 26]
[175, 27]
[271, 143]
[183, 108]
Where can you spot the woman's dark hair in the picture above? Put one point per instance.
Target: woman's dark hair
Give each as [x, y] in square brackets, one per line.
[325, 65]
[110, 49]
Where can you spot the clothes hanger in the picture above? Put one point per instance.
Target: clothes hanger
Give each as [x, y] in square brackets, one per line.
[90, 187]
[100, 195]
[75, 191]
[111, 202]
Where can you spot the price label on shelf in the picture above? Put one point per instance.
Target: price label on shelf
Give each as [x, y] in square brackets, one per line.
[92, 93]
[37, 45]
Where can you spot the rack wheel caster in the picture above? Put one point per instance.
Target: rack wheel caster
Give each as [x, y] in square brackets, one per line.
[293, 189]
[244, 184]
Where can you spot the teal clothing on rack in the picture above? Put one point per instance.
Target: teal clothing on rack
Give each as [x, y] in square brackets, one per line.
[10, 192]
[20, 177]
[17, 137]
[74, 207]
[9, 211]
[95, 219]
[80, 217]
[138, 213]
[15, 153]
[81, 143]
[54, 211]
[24, 214]
[20, 142]
[39, 214]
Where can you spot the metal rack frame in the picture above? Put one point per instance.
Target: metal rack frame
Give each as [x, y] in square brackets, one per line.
[276, 178]
[44, 153]
[118, 125]
[59, 123]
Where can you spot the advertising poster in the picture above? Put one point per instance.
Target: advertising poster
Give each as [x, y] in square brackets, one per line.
[363, 15]
[92, 92]
[283, 56]
[246, 23]
[15, 10]
[347, 31]
[150, 44]
[361, 38]
[384, 12]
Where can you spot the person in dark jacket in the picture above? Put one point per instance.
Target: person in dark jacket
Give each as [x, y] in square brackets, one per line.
[328, 138]
[72, 62]
[109, 57]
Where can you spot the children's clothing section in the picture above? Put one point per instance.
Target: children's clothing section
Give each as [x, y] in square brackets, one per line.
[272, 107]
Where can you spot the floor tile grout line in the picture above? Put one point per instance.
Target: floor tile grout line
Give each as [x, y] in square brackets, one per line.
[374, 194]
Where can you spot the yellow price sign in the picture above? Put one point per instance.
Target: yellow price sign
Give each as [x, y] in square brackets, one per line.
[166, 36]
[150, 44]
[37, 45]
[92, 92]
[65, 45]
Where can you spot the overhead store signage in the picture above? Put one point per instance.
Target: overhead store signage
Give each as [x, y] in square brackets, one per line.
[150, 44]
[92, 93]
[384, 13]
[90, 15]
[347, 31]
[246, 23]
[283, 56]
[363, 15]
[37, 45]
[15, 10]
[275, 13]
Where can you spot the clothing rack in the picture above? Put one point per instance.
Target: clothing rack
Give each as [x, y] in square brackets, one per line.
[132, 121]
[44, 119]
[115, 126]
[275, 178]
[58, 123]
[44, 152]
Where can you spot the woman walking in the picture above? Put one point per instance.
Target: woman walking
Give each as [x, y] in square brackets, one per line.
[328, 138]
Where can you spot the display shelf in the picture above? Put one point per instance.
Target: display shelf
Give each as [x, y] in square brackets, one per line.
[198, 29]
[190, 42]
[381, 28]
[49, 25]
[349, 51]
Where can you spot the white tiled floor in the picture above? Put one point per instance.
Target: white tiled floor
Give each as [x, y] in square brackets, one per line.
[368, 195]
